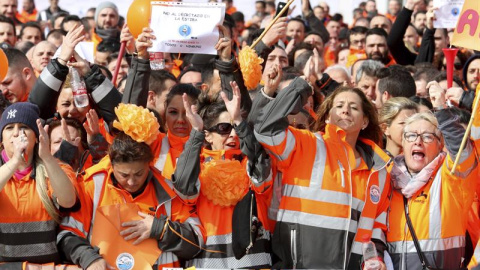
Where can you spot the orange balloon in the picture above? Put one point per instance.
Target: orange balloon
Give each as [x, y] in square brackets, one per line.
[3, 65]
[138, 16]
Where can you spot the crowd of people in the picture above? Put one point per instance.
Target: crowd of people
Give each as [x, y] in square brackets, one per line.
[353, 136]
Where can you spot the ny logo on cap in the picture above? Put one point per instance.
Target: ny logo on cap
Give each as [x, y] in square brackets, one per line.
[11, 113]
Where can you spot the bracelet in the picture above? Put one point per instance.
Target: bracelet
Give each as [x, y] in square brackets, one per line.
[62, 60]
[10, 168]
[265, 95]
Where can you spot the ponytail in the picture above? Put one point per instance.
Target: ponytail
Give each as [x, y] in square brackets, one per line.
[42, 190]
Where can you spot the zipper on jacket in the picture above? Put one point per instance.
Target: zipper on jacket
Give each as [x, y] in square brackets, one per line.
[293, 247]
[342, 173]
[251, 221]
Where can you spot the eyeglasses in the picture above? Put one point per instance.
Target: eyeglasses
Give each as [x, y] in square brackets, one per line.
[221, 128]
[427, 137]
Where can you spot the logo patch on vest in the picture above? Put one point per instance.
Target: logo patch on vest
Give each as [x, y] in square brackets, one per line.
[375, 194]
[125, 261]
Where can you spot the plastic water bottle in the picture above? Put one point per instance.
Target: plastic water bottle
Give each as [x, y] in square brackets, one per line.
[157, 61]
[79, 89]
[370, 256]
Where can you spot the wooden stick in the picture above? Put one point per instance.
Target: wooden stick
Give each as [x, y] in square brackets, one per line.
[467, 132]
[284, 9]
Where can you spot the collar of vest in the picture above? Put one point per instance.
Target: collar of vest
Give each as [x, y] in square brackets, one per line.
[233, 154]
[372, 154]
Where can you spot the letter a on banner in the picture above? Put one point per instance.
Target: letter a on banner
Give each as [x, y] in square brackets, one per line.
[467, 32]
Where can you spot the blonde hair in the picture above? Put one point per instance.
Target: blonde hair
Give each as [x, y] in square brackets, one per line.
[42, 190]
[425, 116]
[393, 107]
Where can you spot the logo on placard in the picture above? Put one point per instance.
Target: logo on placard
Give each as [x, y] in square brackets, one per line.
[455, 11]
[375, 194]
[125, 261]
[185, 30]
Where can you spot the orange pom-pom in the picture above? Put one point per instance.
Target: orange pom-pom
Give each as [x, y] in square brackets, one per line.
[224, 182]
[138, 123]
[251, 66]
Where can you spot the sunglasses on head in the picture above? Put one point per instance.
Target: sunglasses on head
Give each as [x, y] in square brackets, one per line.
[221, 128]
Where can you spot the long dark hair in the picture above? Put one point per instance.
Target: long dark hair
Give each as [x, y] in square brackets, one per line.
[372, 132]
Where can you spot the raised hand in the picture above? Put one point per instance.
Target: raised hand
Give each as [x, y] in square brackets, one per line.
[274, 76]
[91, 125]
[44, 142]
[277, 32]
[224, 44]
[431, 17]
[233, 106]
[454, 94]
[66, 134]
[192, 114]
[144, 41]
[73, 37]
[437, 94]
[82, 65]
[20, 145]
[127, 37]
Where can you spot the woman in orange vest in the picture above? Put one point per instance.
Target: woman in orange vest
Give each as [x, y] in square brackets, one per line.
[168, 149]
[35, 190]
[217, 177]
[426, 195]
[129, 211]
[335, 182]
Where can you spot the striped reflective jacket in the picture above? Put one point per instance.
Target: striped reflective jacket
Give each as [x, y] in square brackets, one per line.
[328, 203]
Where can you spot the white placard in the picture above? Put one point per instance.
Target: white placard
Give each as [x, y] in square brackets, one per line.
[186, 27]
[448, 13]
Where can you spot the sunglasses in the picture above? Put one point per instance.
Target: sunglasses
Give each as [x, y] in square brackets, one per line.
[221, 128]
[456, 66]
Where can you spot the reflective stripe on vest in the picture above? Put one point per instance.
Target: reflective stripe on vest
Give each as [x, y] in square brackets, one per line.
[225, 242]
[98, 180]
[102, 90]
[195, 225]
[427, 245]
[49, 80]
[162, 158]
[71, 222]
[435, 217]
[327, 222]
[231, 262]
[277, 140]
